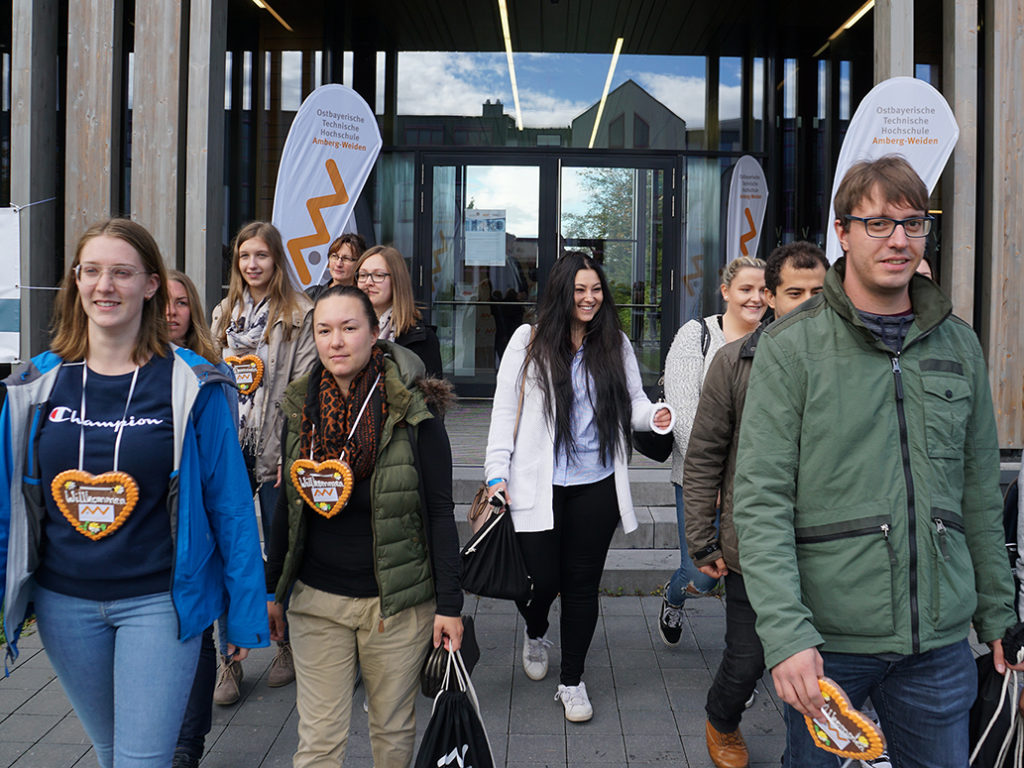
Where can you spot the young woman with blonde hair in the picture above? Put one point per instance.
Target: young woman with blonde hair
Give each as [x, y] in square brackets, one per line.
[124, 517]
[383, 276]
[263, 329]
[686, 364]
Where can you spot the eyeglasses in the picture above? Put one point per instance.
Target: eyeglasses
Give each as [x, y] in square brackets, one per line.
[339, 257]
[883, 226]
[373, 277]
[90, 273]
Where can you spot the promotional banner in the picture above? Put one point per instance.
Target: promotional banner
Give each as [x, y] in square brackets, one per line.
[10, 285]
[902, 116]
[331, 148]
[745, 207]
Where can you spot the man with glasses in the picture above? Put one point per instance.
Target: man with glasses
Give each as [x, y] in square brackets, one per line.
[866, 494]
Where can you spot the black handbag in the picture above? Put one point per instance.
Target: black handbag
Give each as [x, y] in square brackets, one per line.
[455, 735]
[492, 563]
[651, 444]
[435, 664]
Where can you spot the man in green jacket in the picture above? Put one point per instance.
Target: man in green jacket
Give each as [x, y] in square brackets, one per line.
[794, 273]
[866, 495]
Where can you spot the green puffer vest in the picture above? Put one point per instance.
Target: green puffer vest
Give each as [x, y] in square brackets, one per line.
[402, 564]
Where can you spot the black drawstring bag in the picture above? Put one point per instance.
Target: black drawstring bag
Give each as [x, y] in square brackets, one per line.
[435, 665]
[455, 735]
[492, 563]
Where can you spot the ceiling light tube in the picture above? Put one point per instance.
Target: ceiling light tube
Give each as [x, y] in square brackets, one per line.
[858, 14]
[503, 12]
[604, 95]
[265, 5]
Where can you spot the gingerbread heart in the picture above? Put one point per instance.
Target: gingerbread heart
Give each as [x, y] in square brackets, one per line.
[95, 505]
[325, 486]
[248, 371]
[843, 730]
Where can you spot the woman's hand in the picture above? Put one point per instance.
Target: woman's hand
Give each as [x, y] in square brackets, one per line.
[277, 484]
[715, 570]
[275, 614]
[493, 489]
[663, 418]
[237, 654]
[450, 627]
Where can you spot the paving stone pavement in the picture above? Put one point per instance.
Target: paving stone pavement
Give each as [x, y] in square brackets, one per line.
[648, 701]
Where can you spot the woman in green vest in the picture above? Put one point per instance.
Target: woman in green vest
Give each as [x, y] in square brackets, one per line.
[364, 534]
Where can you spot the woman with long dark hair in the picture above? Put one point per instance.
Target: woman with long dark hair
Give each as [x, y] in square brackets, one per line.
[124, 512]
[364, 536]
[560, 458]
[263, 330]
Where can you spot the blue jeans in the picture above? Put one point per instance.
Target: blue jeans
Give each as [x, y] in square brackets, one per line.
[688, 572]
[923, 703]
[124, 670]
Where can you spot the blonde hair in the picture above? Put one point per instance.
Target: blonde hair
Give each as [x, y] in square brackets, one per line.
[404, 314]
[71, 325]
[198, 337]
[283, 297]
[742, 262]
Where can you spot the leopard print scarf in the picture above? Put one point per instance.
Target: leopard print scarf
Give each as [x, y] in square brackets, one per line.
[333, 416]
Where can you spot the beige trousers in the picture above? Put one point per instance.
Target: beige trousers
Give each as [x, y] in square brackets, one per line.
[330, 634]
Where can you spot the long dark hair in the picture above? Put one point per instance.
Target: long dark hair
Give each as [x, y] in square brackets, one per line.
[551, 350]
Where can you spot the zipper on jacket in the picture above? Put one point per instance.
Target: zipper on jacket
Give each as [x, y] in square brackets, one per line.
[888, 544]
[940, 528]
[897, 373]
[822, 537]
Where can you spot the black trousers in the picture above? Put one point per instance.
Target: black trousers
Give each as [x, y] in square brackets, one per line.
[742, 660]
[569, 559]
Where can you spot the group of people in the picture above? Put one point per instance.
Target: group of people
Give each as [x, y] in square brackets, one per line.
[836, 469]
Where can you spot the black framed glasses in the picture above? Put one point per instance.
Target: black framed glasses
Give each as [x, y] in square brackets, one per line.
[338, 257]
[372, 277]
[883, 226]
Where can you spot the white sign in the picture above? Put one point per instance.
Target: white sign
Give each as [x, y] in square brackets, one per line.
[331, 148]
[748, 199]
[10, 286]
[485, 237]
[903, 116]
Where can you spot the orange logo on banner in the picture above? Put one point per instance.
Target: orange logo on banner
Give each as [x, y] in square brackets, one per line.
[321, 237]
[744, 239]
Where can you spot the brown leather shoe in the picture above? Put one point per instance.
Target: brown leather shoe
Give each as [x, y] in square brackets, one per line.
[727, 750]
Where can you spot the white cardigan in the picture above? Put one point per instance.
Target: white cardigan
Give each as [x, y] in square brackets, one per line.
[528, 466]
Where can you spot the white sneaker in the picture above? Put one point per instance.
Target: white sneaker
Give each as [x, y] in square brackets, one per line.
[535, 656]
[576, 702]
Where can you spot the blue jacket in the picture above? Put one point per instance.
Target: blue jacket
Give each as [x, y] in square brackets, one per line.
[217, 560]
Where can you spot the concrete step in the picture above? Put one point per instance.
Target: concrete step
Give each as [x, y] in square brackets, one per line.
[638, 571]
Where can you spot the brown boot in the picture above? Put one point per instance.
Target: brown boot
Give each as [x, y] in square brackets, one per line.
[727, 750]
[282, 668]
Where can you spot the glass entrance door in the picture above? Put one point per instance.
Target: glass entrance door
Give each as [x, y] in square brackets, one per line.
[491, 228]
[617, 216]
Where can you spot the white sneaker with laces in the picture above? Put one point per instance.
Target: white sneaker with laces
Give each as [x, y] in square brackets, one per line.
[576, 702]
[535, 656]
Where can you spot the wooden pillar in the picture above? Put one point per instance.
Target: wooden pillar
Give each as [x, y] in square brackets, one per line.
[960, 180]
[204, 156]
[34, 162]
[894, 39]
[1003, 179]
[92, 148]
[158, 134]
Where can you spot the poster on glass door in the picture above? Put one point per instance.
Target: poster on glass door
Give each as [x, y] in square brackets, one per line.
[485, 237]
